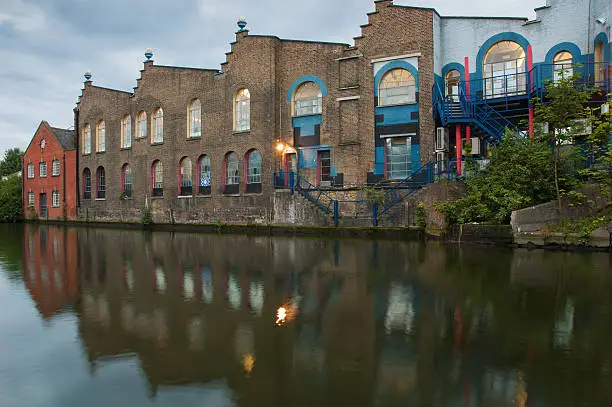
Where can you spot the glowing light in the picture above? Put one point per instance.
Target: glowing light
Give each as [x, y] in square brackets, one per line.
[281, 316]
[280, 147]
[248, 363]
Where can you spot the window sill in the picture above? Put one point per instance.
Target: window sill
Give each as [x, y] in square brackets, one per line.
[53, 206]
[204, 196]
[157, 197]
[307, 115]
[43, 176]
[100, 199]
[125, 148]
[252, 193]
[350, 87]
[55, 175]
[184, 196]
[399, 104]
[158, 143]
[100, 152]
[231, 195]
[194, 138]
[86, 154]
[238, 132]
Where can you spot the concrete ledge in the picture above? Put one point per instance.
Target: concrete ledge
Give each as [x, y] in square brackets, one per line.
[497, 235]
[598, 240]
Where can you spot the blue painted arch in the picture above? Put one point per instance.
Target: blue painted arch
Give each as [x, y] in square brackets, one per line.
[564, 46]
[304, 79]
[393, 65]
[453, 66]
[505, 36]
[603, 37]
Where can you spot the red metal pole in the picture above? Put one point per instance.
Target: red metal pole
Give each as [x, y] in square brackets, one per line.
[466, 76]
[458, 144]
[530, 69]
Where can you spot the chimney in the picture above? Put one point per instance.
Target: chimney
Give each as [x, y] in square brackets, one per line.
[380, 4]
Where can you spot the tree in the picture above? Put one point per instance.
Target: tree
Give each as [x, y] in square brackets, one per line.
[11, 163]
[562, 116]
[11, 208]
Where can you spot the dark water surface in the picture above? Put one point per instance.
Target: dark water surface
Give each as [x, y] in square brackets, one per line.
[94, 317]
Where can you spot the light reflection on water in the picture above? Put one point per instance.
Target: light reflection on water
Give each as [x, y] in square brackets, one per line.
[130, 318]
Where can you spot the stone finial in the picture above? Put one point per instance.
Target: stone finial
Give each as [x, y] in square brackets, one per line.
[87, 76]
[148, 54]
[242, 23]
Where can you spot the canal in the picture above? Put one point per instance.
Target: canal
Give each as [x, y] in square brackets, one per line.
[102, 317]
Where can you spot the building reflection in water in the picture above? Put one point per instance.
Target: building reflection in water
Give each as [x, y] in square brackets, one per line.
[364, 323]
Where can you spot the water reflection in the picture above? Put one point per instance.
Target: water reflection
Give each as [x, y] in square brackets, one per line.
[251, 321]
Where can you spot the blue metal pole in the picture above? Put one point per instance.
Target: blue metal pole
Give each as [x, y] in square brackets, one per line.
[375, 213]
[336, 212]
[291, 182]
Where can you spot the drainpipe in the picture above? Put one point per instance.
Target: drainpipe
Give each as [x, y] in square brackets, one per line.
[77, 150]
[458, 144]
[65, 209]
[466, 76]
[530, 70]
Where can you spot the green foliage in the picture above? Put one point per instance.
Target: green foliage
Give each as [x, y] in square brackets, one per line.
[518, 175]
[374, 194]
[582, 227]
[11, 163]
[146, 216]
[421, 219]
[11, 206]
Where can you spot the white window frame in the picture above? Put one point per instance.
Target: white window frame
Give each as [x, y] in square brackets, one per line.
[157, 127]
[101, 137]
[31, 198]
[402, 93]
[307, 106]
[42, 169]
[141, 125]
[233, 170]
[393, 173]
[55, 168]
[254, 167]
[30, 171]
[242, 110]
[158, 175]
[562, 68]
[55, 199]
[194, 122]
[126, 132]
[87, 139]
[205, 176]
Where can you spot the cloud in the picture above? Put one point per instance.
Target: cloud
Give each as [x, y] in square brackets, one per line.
[46, 46]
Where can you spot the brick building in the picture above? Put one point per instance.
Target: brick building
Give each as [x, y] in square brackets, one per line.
[50, 174]
[207, 146]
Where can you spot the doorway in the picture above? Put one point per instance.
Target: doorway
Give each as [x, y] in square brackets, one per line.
[43, 206]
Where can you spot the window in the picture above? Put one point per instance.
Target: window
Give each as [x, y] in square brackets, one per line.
[325, 167]
[30, 170]
[86, 184]
[158, 126]
[43, 169]
[126, 180]
[194, 121]
[452, 83]
[242, 110]
[126, 132]
[253, 181]
[308, 100]
[504, 70]
[141, 125]
[55, 199]
[562, 66]
[186, 181]
[87, 139]
[101, 137]
[204, 174]
[30, 198]
[397, 87]
[157, 174]
[101, 183]
[399, 157]
[55, 168]
[232, 173]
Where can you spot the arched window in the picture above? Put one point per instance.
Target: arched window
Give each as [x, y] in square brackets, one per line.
[157, 126]
[504, 70]
[397, 87]
[126, 132]
[101, 137]
[242, 110]
[600, 66]
[157, 178]
[186, 180]
[253, 171]
[86, 184]
[232, 173]
[87, 139]
[452, 83]
[562, 66]
[204, 175]
[100, 183]
[141, 125]
[307, 100]
[194, 121]
[126, 180]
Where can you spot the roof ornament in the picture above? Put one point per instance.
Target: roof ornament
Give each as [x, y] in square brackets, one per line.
[148, 54]
[242, 23]
[87, 76]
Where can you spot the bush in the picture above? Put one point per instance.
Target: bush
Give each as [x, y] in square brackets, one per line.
[11, 204]
[146, 216]
[421, 219]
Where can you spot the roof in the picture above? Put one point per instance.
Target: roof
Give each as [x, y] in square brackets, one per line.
[63, 136]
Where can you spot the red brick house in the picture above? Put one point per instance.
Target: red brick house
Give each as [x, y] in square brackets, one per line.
[49, 174]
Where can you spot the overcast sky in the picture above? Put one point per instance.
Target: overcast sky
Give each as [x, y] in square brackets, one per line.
[47, 45]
